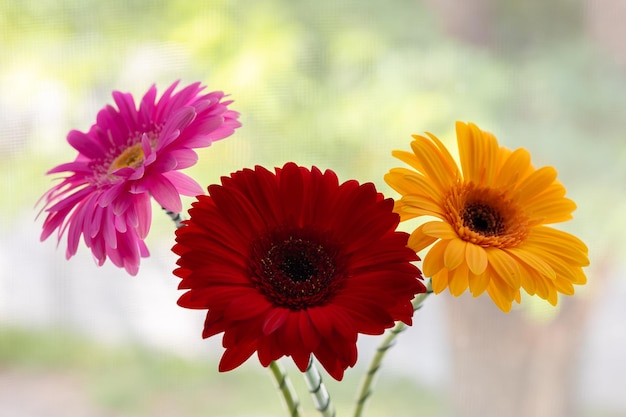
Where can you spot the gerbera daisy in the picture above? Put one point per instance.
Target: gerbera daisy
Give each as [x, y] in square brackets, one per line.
[491, 234]
[292, 263]
[129, 155]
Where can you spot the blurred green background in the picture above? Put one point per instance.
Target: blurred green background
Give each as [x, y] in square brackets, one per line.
[337, 84]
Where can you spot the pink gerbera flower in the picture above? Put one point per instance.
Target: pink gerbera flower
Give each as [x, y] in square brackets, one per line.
[128, 155]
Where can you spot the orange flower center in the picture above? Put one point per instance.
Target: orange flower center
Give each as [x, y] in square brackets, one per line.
[132, 156]
[485, 216]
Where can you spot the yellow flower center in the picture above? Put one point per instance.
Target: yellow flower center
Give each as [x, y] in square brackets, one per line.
[485, 216]
[132, 156]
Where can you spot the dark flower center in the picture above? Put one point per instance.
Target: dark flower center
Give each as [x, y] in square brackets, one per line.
[295, 269]
[484, 219]
[296, 259]
[485, 216]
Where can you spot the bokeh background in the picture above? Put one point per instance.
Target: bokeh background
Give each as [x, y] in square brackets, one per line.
[337, 84]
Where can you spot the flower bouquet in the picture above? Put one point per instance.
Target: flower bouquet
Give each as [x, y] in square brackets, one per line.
[294, 262]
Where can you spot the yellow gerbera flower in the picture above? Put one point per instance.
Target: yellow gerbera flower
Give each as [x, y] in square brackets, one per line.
[491, 235]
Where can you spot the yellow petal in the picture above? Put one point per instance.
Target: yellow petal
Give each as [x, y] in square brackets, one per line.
[478, 152]
[555, 191]
[536, 183]
[441, 230]
[529, 279]
[447, 158]
[490, 156]
[551, 211]
[476, 258]
[576, 276]
[418, 240]
[514, 168]
[500, 296]
[466, 151]
[409, 158]
[505, 267]
[421, 204]
[458, 280]
[440, 281]
[433, 261]
[406, 212]
[396, 179]
[421, 186]
[478, 283]
[553, 296]
[562, 266]
[534, 262]
[454, 254]
[541, 288]
[560, 243]
[436, 168]
[564, 286]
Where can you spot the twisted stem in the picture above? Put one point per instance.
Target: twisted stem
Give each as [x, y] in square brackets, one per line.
[318, 390]
[286, 389]
[176, 217]
[388, 342]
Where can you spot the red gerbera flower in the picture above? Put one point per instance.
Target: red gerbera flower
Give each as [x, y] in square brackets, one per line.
[292, 263]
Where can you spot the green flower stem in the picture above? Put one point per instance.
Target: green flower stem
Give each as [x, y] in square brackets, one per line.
[318, 390]
[176, 217]
[286, 389]
[279, 373]
[389, 341]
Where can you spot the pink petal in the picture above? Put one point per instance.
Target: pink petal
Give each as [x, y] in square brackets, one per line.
[85, 144]
[108, 229]
[179, 121]
[75, 166]
[126, 106]
[165, 193]
[109, 195]
[143, 208]
[184, 184]
[147, 105]
[185, 158]
[120, 224]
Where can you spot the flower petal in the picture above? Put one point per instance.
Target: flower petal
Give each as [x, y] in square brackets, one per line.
[458, 280]
[440, 281]
[505, 267]
[478, 283]
[536, 183]
[433, 261]
[419, 240]
[184, 184]
[476, 258]
[454, 255]
[165, 193]
[478, 151]
[532, 261]
[437, 167]
[439, 230]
